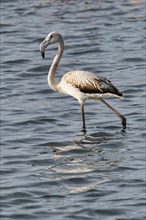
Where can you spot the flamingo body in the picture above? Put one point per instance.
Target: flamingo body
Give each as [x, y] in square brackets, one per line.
[87, 85]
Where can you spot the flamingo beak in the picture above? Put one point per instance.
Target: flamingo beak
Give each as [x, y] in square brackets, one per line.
[43, 46]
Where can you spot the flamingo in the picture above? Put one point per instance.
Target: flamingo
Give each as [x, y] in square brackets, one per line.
[82, 85]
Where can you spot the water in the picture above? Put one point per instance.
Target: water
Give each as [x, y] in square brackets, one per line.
[49, 168]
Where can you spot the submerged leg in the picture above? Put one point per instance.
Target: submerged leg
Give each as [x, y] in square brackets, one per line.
[123, 119]
[83, 117]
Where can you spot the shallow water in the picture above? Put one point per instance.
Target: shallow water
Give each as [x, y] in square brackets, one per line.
[49, 168]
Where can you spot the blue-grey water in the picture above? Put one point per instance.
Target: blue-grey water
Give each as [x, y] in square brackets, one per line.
[49, 168]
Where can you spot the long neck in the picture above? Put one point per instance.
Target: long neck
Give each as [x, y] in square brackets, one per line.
[53, 68]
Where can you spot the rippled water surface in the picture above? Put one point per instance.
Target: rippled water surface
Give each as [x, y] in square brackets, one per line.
[49, 168]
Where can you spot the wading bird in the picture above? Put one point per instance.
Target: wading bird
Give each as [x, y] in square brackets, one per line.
[81, 85]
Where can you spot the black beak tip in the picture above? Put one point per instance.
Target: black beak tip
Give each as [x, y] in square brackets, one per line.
[43, 55]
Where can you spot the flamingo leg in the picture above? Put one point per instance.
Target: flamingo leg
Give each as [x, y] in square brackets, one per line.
[83, 117]
[123, 119]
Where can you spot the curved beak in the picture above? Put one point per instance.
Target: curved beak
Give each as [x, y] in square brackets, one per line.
[43, 46]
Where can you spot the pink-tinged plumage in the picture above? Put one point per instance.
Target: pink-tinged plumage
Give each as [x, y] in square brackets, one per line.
[80, 84]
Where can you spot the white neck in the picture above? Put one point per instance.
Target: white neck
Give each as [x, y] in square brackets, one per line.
[53, 68]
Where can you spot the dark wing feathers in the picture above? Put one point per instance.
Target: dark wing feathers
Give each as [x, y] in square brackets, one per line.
[107, 87]
[100, 85]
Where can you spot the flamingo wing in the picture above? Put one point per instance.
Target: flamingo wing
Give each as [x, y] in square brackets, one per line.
[88, 82]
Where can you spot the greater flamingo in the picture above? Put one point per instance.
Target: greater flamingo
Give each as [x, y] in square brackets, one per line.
[81, 85]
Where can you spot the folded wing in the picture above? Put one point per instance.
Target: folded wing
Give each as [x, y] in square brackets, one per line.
[88, 82]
